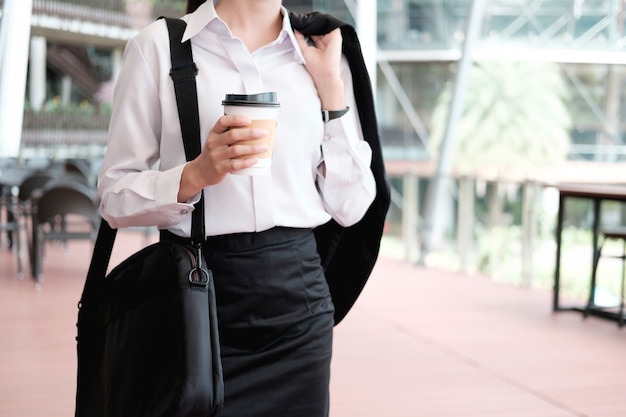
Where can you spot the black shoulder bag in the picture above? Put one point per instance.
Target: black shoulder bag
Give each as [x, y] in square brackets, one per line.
[148, 343]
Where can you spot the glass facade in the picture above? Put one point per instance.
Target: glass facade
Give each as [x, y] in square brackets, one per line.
[421, 42]
[419, 45]
[538, 23]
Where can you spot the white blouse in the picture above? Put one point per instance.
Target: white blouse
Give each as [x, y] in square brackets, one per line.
[141, 171]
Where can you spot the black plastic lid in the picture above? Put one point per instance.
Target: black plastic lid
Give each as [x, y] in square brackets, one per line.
[262, 99]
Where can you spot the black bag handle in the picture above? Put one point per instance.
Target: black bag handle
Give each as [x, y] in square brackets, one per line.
[183, 73]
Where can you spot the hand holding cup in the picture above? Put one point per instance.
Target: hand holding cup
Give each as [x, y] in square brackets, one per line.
[241, 142]
[262, 110]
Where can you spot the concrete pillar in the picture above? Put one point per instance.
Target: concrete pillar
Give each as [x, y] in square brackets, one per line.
[530, 197]
[612, 109]
[465, 221]
[116, 58]
[367, 28]
[66, 90]
[440, 188]
[37, 72]
[410, 214]
[14, 46]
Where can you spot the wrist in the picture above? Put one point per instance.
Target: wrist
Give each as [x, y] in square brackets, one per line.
[190, 183]
[332, 94]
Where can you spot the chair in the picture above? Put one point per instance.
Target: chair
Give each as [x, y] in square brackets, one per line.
[605, 235]
[33, 182]
[10, 224]
[79, 166]
[63, 210]
[75, 168]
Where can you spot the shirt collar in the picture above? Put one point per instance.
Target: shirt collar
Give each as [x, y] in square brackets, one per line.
[288, 29]
[197, 20]
[205, 14]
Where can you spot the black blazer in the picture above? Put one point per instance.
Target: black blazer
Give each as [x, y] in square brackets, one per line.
[349, 254]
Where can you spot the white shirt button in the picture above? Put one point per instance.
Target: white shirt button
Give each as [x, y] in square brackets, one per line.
[326, 138]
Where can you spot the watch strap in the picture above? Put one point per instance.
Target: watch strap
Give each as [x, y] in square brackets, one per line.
[328, 115]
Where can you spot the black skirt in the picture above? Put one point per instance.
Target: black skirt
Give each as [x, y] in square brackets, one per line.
[276, 323]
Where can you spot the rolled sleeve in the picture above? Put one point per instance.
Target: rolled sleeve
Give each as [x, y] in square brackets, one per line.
[155, 205]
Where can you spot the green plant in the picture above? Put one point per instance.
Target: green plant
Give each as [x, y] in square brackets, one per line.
[515, 117]
[495, 246]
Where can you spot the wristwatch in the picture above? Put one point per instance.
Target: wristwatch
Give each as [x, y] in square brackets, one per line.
[328, 115]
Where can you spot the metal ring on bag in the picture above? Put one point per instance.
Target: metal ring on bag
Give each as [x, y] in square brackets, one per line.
[199, 277]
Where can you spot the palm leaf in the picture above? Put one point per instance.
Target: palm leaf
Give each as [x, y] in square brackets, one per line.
[515, 117]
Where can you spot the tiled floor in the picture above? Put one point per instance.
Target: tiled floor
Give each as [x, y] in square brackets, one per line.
[419, 343]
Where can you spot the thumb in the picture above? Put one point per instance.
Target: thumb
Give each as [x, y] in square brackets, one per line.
[301, 40]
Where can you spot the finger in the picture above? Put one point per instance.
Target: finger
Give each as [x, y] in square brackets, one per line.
[243, 134]
[227, 122]
[316, 40]
[238, 164]
[245, 151]
[301, 39]
[333, 38]
[336, 33]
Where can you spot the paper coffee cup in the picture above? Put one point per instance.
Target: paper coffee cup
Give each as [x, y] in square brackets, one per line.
[262, 109]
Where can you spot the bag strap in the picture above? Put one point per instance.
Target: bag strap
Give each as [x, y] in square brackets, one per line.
[183, 73]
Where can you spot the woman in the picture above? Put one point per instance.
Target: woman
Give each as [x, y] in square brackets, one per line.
[274, 307]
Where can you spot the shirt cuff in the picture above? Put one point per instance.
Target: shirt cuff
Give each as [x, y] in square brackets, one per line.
[169, 183]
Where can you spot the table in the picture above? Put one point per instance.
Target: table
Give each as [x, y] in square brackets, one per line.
[597, 194]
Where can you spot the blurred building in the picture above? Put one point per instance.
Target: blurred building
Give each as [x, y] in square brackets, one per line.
[76, 48]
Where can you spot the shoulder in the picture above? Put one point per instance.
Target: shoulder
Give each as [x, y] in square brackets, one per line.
[150, 44]
[151, 36]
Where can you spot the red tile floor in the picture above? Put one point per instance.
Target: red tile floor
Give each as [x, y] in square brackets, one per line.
[420, 342]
